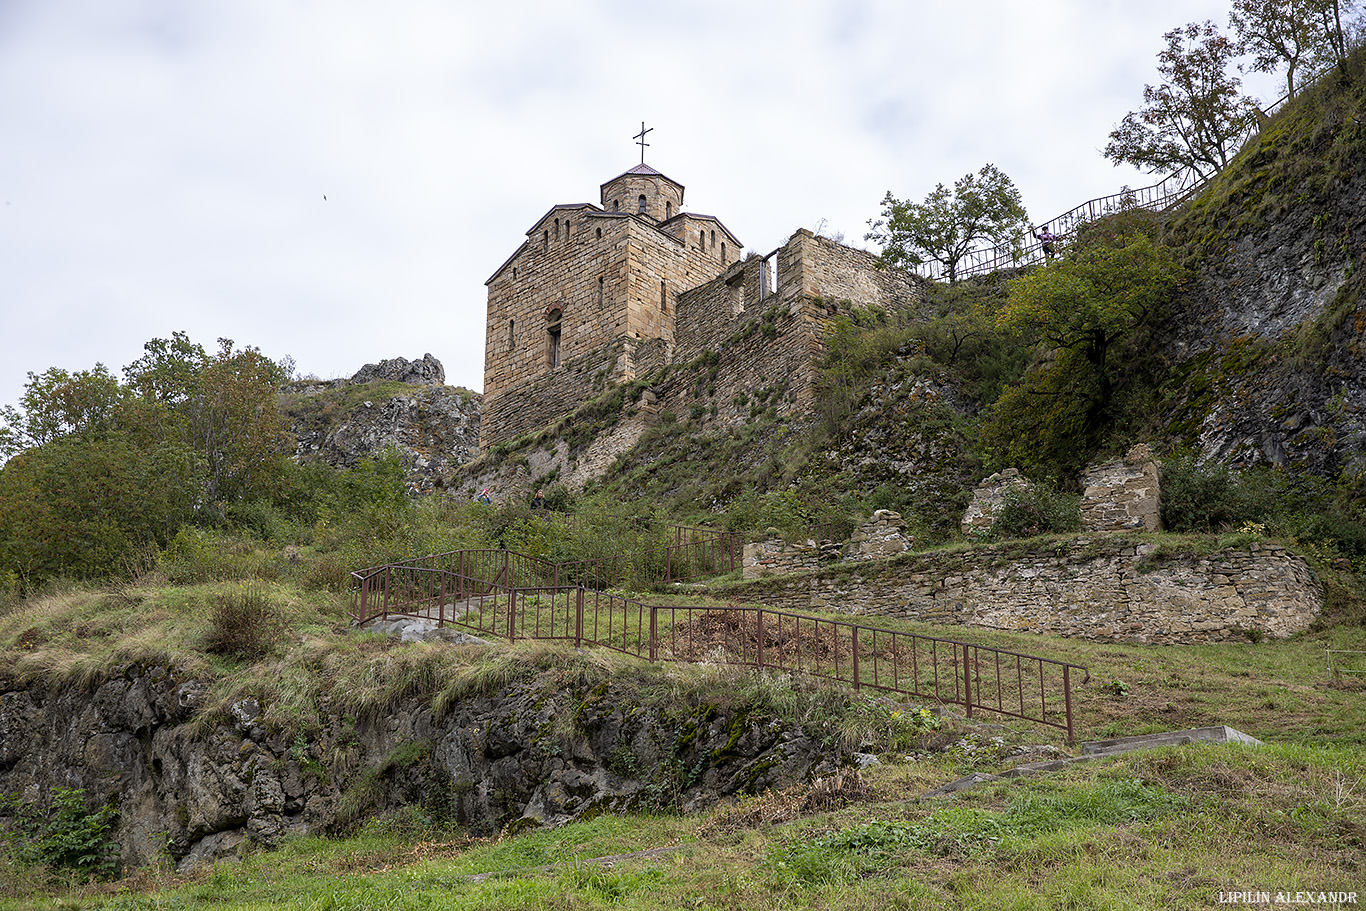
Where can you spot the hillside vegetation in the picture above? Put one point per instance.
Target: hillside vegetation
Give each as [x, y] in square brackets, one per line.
[156, 523]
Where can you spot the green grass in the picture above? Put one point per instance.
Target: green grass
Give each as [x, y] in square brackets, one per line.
[1168, 829]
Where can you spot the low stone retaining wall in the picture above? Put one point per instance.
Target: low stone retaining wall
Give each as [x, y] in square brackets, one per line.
[1100, 587]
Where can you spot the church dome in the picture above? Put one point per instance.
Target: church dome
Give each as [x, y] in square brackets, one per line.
[643, 191]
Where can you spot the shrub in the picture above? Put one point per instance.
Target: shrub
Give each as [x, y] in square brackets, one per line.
[68, 836]
[242, 625]
[1200, 497]
[1035, 509]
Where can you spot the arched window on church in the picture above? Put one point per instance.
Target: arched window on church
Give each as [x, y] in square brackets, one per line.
[512, 334]
[616, 205]
[545, 241]
[557, 230]
[599, 233]
[713, 240]
[553, 337]
[602, 288]
[641, 204]
[668, 210]
[663, 295]
[723, 252]
[702, 241]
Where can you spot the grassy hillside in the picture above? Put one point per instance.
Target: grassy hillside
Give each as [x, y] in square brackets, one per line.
[1166, 829]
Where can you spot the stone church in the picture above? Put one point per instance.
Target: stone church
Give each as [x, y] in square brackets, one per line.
[606, 293]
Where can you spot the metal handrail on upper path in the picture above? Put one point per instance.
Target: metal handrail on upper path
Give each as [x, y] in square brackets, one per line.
[1171, 191]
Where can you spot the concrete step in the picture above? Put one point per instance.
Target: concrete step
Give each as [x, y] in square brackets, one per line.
[1218, 734]
[1104, 749]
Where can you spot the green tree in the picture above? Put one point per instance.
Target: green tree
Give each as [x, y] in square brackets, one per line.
[981, 207]
[1110, 283]
[222, 404]
[1289, 32]
[1196, 117]
[57, 403]
[80, 506]
[1091, 301]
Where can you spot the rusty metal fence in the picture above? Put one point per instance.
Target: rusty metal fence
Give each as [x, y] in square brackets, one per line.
[977, 677]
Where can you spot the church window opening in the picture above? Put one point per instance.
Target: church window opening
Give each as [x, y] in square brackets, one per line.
[723, 252]
[668, 210]
[512, 334]
[602, 287]
[713, 240]
[553, 337]
[663, 295]
[641, 204]
[616, 205]
[545, 241]
[599, 233]
[557, 229]
[702, 241]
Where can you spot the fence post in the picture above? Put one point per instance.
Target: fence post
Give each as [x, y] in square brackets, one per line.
[578, 618]
[654, 629]
[967, 681]
[760, 649]
[364, 599]
[441, 600]
[1067, 697]
[512, 615]
[386, 592]
[853, 640]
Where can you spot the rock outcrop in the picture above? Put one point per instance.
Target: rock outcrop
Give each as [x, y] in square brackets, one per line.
[433, 427]
[535, 753]
[426, 372]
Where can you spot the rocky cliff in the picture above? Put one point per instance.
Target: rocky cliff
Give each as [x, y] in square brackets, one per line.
[1269, 345]
[535, 753]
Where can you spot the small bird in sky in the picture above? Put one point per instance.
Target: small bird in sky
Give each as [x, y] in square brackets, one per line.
[324, 197]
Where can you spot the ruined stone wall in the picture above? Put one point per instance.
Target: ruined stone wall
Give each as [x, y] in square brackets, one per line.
[832, 271]
[1094, 588]
[1123, 494]
[988, 497]
[772, 556]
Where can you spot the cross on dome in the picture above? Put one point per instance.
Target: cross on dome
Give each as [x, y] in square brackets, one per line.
[641, 137]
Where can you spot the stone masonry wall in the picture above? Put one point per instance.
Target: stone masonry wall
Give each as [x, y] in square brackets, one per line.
[543, 399]
[881, 537]
[1099, 588]
[1122, 495]
[773, 556]
[987, 499]
[832, 271]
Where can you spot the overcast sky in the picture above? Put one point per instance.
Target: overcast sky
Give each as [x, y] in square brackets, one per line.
[163, 163]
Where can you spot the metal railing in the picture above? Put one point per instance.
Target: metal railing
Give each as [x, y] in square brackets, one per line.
[1172, 190]
[977, 677]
